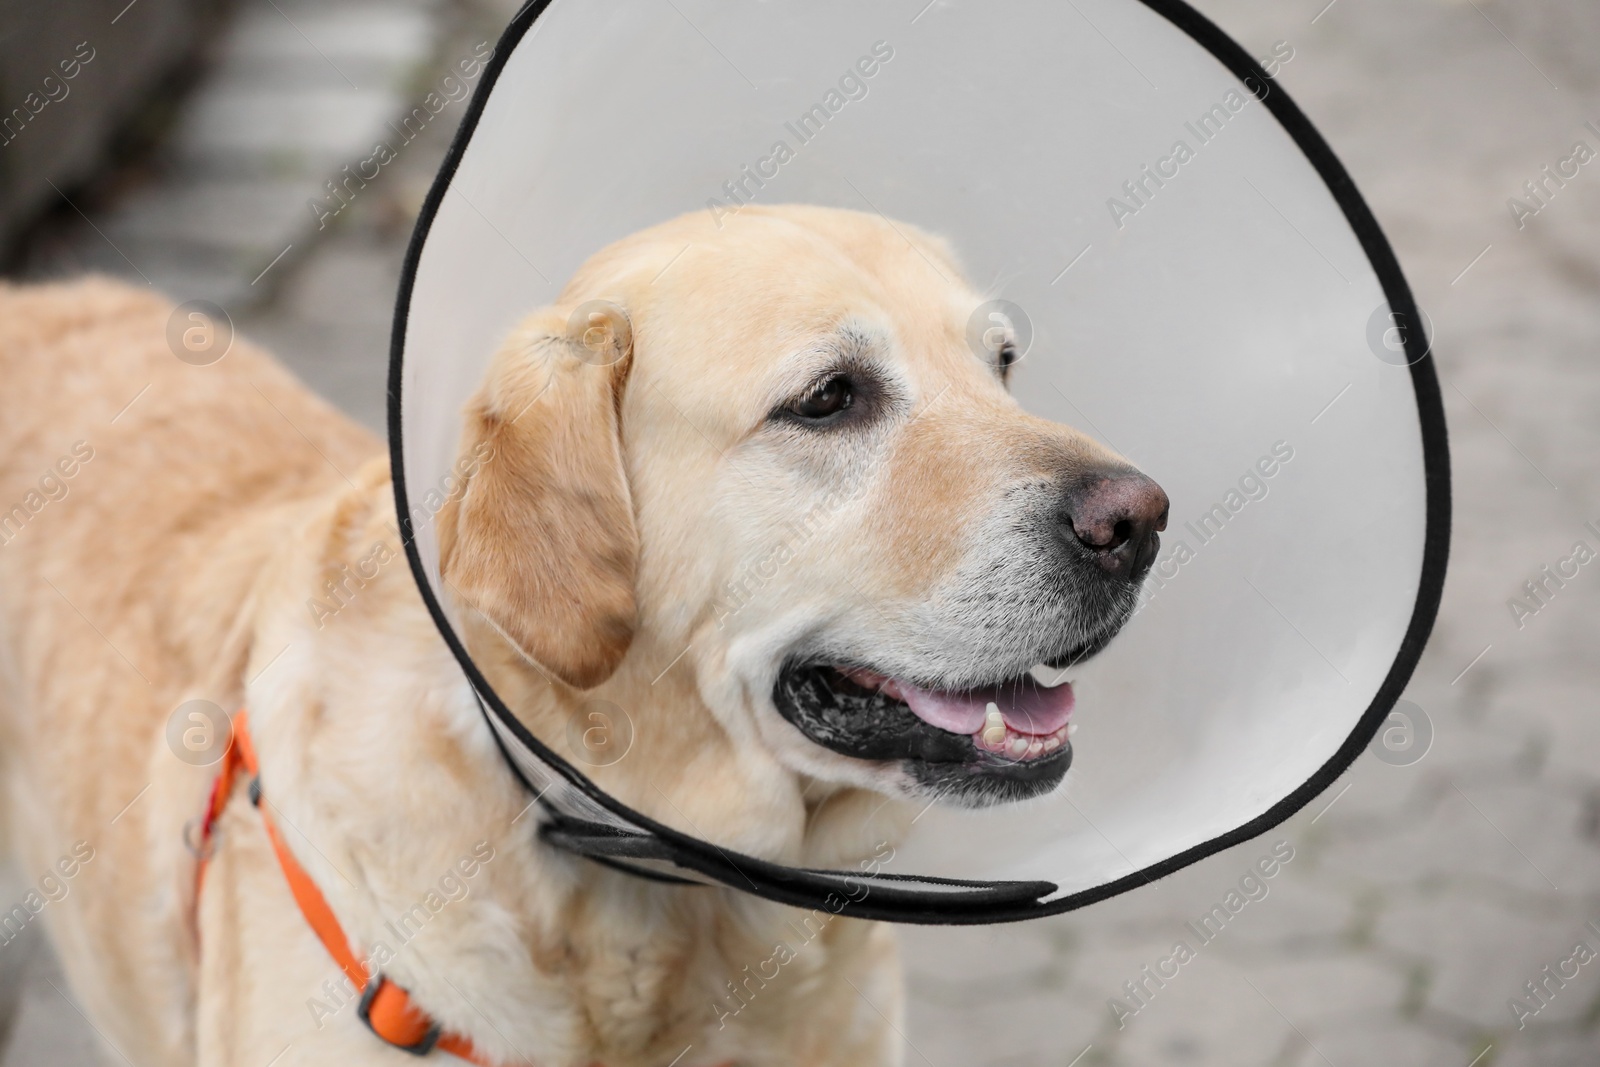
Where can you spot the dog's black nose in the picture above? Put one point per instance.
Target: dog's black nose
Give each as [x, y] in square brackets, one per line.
[1117, 514]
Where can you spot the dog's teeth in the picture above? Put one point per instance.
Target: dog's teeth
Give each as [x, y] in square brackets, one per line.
[994, 726]
[1072, 728]
[1019, 747]
[1052, 743]
[1035, 747]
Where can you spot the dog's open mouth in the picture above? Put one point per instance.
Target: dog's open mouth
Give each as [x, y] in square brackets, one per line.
[1019, 719]
[1004, 741]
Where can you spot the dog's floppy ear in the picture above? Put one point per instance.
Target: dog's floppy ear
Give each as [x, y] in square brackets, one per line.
[541, 539]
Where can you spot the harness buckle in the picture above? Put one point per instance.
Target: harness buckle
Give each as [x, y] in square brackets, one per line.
[199, 843]
[421, 1047]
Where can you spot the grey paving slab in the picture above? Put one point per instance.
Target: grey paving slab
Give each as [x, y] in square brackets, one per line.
[49, 1029]
[216, 212]
[1379, 1041]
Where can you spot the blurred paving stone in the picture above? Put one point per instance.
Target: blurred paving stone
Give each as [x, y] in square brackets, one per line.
[1023, 1030]
[50, 1030]
[331, 323]
[1209, 1014]
[385, 36]
[1479, 954]
[319, 127]
[1325, 991]
[1299, 917]
[1378, 790]
[110, 68]
[16, 954]
[1537, 825]
[994, 960]
[1381, 1043]
[296, 92]
[1550, 1050]
[1458, 834]
[214, 212]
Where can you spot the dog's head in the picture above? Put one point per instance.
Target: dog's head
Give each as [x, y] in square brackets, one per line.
[773, 449]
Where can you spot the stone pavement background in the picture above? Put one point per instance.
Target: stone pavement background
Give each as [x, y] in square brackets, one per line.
[1420, 899]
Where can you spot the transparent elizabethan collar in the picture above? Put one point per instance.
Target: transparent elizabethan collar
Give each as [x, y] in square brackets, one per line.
[1153, 217]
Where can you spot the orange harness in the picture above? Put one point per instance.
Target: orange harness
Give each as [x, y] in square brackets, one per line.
[385, 1007]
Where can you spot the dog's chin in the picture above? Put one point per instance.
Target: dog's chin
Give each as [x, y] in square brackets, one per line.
[988, 744]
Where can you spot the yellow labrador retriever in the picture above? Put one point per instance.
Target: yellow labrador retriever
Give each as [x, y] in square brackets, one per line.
[781, 513]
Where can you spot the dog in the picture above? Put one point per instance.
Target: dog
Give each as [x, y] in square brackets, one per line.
[760, 495]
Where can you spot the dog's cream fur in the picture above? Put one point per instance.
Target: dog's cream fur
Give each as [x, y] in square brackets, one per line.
[585, 553]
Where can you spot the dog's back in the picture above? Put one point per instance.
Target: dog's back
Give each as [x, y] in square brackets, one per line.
[135, 498]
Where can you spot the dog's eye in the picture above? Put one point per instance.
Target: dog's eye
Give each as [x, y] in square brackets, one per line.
[1006, 356]
[829, 398]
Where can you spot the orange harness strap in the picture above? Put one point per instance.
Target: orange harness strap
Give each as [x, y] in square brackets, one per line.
[385, 1007]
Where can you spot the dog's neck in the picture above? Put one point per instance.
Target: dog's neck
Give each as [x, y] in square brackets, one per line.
[373, 746]
[658, 748]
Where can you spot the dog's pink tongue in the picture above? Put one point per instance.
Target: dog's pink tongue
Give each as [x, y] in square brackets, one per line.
[1026, 707]
[960, 713]
[1030, 708]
